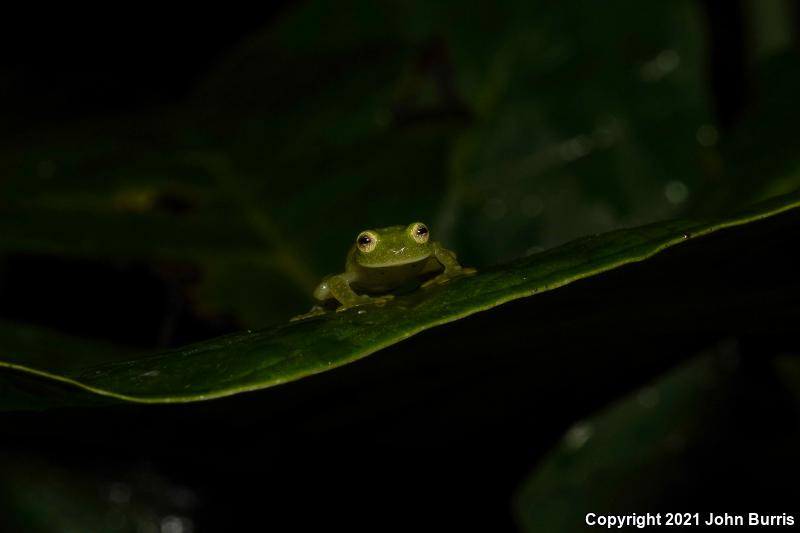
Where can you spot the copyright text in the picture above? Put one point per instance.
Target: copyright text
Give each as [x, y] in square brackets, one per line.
[642, 521]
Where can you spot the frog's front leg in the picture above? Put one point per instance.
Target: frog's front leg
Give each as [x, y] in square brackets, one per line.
[338, 287]
[452, 268]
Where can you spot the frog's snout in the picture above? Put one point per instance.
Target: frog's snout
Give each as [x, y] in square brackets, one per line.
[398, 251]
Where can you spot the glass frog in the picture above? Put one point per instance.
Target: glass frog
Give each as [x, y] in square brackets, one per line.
[384, 259]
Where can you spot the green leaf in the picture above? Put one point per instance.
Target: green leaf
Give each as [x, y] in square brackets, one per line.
[260, 359]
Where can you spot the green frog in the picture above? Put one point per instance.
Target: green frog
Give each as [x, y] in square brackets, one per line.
[384, 259]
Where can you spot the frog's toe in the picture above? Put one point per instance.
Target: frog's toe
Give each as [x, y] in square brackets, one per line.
[367, 300]
[438, 280]
[315, 311]
[444, 278]
[429, 283]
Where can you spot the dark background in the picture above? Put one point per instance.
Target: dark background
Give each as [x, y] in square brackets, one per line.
[170, 176]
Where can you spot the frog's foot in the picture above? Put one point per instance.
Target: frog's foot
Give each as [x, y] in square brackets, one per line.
[444, 277]
[366, 300]
[315, 311]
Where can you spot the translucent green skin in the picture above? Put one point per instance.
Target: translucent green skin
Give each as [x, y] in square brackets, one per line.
[396, 260]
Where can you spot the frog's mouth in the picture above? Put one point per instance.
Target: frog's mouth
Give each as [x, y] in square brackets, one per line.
[410, 261]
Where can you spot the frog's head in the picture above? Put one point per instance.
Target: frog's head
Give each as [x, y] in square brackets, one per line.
[393, 246]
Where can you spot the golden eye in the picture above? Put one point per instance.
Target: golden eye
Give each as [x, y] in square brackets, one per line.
[366, 241]
[420, 232]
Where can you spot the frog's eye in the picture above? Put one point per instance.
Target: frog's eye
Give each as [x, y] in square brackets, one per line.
[420, 233]
[366, 241]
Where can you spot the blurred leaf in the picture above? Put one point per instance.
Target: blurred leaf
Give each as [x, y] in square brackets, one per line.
[243, 193]
[264, 358]
[341, 117]
[671, 446]
[44, 348]
[627, 444]
[576, 132]
[38, 496]
[758, 159]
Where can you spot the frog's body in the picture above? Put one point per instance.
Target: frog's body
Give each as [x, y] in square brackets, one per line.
[386, 259]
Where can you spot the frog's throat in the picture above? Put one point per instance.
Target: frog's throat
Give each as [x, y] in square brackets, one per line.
[397, 263]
